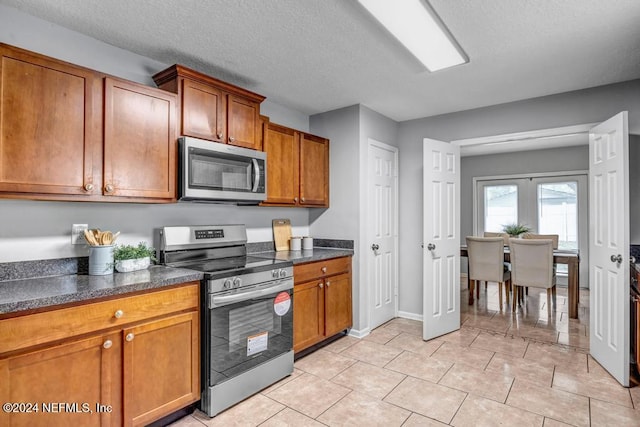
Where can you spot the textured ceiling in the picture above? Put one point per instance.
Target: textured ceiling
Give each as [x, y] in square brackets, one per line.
[314, 56]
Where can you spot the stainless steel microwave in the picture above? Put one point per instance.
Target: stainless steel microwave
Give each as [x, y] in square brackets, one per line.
[214, 172]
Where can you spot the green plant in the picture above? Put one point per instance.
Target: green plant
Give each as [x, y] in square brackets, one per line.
[515, 229]
[122, 252]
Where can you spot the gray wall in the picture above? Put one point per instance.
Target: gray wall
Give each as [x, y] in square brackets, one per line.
[42, 230]
[578, 107]
[349, 130]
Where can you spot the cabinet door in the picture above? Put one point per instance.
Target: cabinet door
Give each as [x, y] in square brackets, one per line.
[337, 304]
[203, 111]
[161, 368]
[308, 314]
[64, 380]
[50, 125]
[139, 141]
[314, 171]
[243, 122]
[282, 148]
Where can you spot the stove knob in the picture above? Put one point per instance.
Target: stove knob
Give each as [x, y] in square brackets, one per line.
[274, 274]
[283, 273]
[237, 282]
[227, 284]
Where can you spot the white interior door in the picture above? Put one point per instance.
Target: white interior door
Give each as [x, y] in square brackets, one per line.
[609, 245]
[441, 237]
[382, 258]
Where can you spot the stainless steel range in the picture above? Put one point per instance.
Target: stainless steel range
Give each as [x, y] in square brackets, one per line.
[247, 312]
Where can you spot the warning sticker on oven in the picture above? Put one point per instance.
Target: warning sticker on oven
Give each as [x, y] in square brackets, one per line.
[257, 343]
[282, 303]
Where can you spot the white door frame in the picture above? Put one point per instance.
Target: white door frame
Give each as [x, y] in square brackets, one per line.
[368, 234]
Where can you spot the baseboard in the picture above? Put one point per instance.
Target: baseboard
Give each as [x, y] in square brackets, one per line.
[361, 333]
[411, 316]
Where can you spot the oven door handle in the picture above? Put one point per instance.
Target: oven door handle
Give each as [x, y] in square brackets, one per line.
[256, 175]
[222, 300]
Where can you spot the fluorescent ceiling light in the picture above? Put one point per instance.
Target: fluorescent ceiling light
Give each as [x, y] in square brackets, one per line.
[417, 26]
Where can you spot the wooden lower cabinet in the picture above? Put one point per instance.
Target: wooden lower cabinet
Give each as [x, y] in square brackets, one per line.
[322, 306]
[308, 314]
[131, 374]
[58, 384]
[160, 368]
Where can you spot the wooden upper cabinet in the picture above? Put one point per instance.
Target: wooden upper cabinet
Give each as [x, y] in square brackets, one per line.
[297, 168]
[212, 109]
[139, 141]
[314, 170]
[243, 122]
[50, 125]
[283, 151]
[198, 98]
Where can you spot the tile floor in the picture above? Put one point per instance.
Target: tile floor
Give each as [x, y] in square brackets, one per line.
[526, 369]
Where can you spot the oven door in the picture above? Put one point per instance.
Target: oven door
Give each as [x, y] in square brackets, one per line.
[247, 327]
[220, 172]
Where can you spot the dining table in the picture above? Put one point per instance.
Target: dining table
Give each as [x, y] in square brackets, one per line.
[560, 256]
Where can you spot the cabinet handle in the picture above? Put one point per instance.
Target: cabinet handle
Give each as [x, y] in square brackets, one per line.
[295, 200]
[302, 200]
[231, 139]
[324, 269]
[219, 135]
[328, 283]
[320, 285]
[107, 344]
[118, 314]
[108, 188]
[88, 187]
[129, 337]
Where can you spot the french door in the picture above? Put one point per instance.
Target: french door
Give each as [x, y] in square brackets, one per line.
[548, 204]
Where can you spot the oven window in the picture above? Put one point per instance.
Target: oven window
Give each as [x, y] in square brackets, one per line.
[246, 334]
[246, 321]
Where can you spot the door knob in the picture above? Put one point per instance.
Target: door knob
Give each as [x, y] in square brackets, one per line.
[617, 259]
[375, 247]
[431, 246]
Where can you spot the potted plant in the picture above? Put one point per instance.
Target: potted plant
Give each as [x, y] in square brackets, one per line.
[131, 258]
[515, 230]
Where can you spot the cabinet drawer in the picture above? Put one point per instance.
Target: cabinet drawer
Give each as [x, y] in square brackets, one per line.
[319, 269]
[26, 331]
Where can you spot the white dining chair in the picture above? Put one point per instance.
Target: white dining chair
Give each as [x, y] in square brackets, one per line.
[532, 266]
[486, 263]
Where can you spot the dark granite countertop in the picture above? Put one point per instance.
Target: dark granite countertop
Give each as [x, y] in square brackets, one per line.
[299, 257]
[35, 293]
[20, 292]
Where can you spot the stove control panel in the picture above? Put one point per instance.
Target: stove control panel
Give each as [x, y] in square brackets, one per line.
[249, 279]
[209, 234]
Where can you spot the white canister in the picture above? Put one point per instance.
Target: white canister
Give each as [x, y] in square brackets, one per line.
[100, 260]
[295, 244]
[307, 243]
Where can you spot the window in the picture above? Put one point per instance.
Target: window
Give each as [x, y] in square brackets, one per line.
[548, 204]
[500, 207]
[558, 212]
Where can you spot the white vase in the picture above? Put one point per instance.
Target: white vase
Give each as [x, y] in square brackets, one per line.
[127, 265]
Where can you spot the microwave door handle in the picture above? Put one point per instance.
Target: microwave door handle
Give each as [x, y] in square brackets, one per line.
[256, 175]
[219, 301]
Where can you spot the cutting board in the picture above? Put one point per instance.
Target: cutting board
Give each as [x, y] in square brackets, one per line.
[281, 234]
